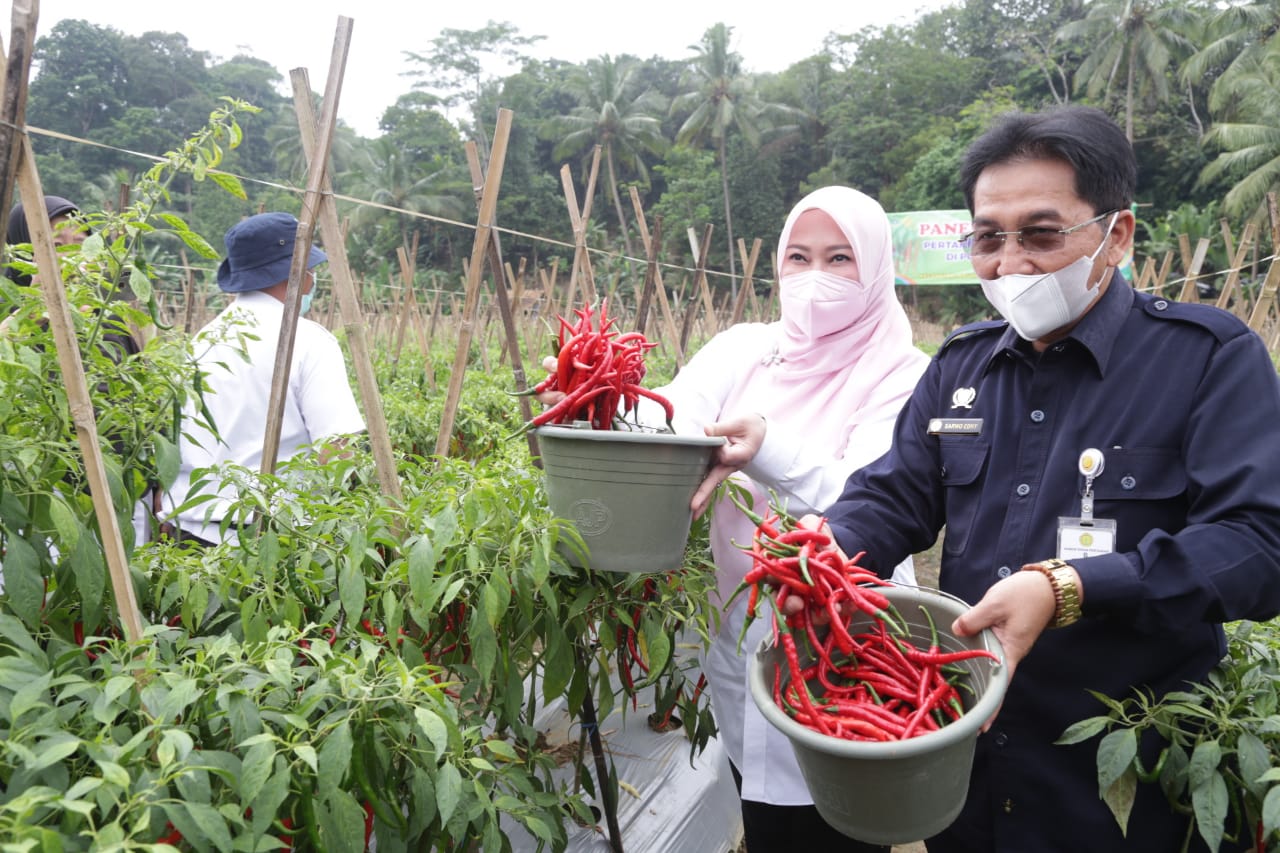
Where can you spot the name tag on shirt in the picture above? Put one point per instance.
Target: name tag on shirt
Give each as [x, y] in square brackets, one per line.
[955, 426]
[1079, 538]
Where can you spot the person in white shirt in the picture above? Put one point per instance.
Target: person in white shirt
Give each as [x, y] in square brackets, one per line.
[236, 355]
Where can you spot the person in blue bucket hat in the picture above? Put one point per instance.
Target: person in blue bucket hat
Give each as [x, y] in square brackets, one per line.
[236, 355]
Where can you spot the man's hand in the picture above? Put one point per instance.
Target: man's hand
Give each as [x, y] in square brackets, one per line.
[1018, 609]
[549, 398]
[744, 435]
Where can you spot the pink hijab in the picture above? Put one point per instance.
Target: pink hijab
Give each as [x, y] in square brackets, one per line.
[862, 373]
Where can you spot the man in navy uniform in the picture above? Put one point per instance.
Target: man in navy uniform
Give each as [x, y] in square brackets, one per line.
[1106, 467]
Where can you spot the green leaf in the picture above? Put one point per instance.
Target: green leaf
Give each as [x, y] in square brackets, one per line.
[502, 749]
[113, 774]
[657, 644]
[273, 794]
[168, 459]
[445, 526]
[557, 662]
[1205, 759]
[213, 826]
[342, 824]
[422, 569]
[448, 790]
[53, 749]
[1209, 801]
[65, 523]
[334, 758]
[307, 753]
[1115, 756]
[14, 631]
[1254, 760]
[434, 728]
[351, 589]
[1083, 730]
[1119, 797]
[89, 566]
[484, 646]
[255, 770]
[32, 695]
[231, 184]
[140, 284]
[23, 583]
[1271, 811]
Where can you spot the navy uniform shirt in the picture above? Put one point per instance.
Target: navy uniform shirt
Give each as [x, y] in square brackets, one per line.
[1184, 403]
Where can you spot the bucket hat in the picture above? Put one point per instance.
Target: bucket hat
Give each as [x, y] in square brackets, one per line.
[259, 251]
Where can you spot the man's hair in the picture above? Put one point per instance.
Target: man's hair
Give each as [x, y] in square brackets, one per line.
[1083, 137]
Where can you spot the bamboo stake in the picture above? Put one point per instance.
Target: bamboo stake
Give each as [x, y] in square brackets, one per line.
[691, 309]
[79, 405]
[302, 247]
[748, 270]
[1192, 268]
[579, 221]
[488, 203]
[16, 70]
[339, 268]
[1237, 261]
[497, 266]
[673, 334]
[650, 276]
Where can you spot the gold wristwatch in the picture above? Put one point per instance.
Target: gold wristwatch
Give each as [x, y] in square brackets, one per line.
[1066, 593]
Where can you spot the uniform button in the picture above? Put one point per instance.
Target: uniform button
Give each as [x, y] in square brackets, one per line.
[1160, 305]
[1023, 490]
[1058, 347]
[1008, 806]
[1127, 482]
[1037, 416]
[1002, 739]
[1003, 572]
[943, 472]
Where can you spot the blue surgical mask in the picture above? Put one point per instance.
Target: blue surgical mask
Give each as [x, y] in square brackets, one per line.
[305, 305]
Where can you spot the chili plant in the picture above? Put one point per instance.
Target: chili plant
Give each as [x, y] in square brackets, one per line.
[1219, 745]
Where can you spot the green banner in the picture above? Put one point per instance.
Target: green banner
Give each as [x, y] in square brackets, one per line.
[925, 249]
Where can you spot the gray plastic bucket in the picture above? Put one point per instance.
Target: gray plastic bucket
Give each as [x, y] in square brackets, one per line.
[626, 493]
[893, 792]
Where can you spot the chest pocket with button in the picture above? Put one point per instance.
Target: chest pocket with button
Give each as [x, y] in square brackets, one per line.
[963, 459]
[1142, 489]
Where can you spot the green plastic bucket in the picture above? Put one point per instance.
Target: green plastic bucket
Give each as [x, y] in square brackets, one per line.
[893, 792]
[626, 493]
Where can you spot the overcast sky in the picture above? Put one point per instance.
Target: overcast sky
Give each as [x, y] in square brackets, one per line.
[301, 35]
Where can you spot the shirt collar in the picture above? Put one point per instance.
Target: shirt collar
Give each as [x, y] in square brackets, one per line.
[1096, 331]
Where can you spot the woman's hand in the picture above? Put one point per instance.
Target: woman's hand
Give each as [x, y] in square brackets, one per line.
[549, 398]
[744, 435]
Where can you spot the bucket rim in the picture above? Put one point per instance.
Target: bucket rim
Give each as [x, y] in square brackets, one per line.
[955, 732]
[625, 437]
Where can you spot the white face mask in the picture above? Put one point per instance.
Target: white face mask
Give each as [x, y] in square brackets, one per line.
[816, 303]
[1036, 305]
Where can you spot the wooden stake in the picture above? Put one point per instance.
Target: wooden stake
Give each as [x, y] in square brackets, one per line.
[1237, 262]
[673, 333]
[302, 248]
[581, 259]
[343, 283]
[1192, 268]
[748, 270]
[497, 266]
[479, 248]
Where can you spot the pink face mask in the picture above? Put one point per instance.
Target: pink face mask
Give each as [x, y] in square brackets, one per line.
[817, 303]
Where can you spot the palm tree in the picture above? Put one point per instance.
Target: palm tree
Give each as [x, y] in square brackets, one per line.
[610, 114]
[1142, 37]
[1249, 148]
[407, 185]
[1237, 38]
[722, 99]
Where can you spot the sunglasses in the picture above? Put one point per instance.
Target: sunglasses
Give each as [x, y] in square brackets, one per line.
[1031, 239]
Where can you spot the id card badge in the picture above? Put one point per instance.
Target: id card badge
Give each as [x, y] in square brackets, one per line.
[1087, 536]
[1079, 538]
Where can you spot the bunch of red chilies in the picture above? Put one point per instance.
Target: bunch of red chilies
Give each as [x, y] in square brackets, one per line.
[874, 685]
[598, 369]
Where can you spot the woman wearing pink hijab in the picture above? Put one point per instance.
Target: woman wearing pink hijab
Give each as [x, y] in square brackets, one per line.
[803, 402]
